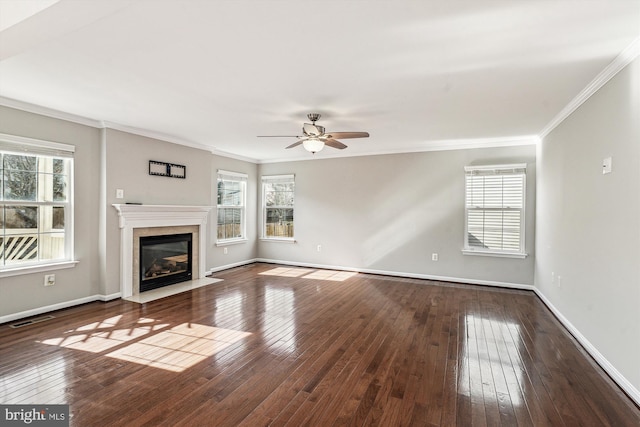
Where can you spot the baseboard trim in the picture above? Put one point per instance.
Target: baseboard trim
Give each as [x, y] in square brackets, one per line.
[615, 375]
[109, 297]
[232, 265]
[54, 307]
[402, 274]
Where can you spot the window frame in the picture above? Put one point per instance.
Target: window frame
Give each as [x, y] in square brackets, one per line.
[270, 179]
[17, 145]
[242, 179]
[519, 169]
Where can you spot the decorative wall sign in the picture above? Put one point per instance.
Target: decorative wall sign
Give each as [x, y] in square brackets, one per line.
[167, 169]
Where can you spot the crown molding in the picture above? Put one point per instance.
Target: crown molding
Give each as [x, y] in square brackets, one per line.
[154, 135]
[99, 124]
[625, 58]
[48, 112]
[234, 156]
[438, 145]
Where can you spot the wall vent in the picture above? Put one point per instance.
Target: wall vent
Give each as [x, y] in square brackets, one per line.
[31, 321]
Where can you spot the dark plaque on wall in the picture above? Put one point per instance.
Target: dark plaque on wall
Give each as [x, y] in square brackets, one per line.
[167, 169]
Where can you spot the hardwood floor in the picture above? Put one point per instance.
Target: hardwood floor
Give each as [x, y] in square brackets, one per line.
[273, 345]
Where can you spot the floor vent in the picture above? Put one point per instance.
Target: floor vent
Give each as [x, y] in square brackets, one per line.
[31, 321]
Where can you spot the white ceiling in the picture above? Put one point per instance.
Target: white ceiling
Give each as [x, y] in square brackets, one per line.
[414, 74]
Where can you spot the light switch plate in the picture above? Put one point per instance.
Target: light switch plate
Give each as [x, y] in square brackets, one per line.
[606, 165]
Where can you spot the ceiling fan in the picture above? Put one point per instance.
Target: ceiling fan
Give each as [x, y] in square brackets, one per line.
[314, 138]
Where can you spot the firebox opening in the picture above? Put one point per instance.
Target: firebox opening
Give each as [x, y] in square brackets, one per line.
[165, 260]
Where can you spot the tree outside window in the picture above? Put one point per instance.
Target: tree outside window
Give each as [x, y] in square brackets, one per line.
[34, 196]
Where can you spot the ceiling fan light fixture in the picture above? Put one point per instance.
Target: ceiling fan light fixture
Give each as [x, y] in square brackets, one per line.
[313, 145]
[314, 137]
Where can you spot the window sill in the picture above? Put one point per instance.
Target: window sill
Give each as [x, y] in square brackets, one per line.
[230, 242]
[17, 271]
[495, 254]
[275, 240]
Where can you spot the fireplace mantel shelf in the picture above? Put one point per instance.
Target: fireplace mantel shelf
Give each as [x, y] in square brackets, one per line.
[144, 216]
[162, 215]
[125, 207]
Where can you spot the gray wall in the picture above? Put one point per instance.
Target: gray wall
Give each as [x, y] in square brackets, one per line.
[390, 213]
[386, 213]
[241, 252]
[106, 160]
[127, 167]
[588, 224]
[26, 292]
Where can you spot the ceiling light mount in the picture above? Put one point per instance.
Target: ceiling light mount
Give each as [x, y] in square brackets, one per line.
[313, 117]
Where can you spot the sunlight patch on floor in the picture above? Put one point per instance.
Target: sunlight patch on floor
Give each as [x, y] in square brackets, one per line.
[180, 347]
[150, 342]
[101, 336]
[286, 272]
[334, 276]
[307, 273]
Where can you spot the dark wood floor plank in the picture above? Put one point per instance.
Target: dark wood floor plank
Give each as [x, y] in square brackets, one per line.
[287, 346]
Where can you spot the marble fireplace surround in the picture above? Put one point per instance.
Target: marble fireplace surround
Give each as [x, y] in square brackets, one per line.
[137, 220]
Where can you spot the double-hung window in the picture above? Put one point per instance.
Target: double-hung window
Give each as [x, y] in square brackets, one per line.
[232, 188]
[35, 203]
[494, 210]
[278, 195]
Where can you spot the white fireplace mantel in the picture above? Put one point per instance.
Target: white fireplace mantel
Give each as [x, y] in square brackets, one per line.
[143, 216]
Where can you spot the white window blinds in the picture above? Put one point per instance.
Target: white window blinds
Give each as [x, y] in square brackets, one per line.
[494, 208]
[28, 146]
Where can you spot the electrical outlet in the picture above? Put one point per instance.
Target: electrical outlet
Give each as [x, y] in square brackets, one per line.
[319, 248]
[49, 279]
[119, 193]
[225, 251]
[434, 256]
[559, 280]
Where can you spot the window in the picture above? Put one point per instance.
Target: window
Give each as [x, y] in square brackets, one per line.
[231, 206]
[35, 202]
[494, 210]
[277, 207]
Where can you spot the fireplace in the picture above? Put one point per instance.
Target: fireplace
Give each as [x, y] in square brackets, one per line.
[165, 260]
[136, 221]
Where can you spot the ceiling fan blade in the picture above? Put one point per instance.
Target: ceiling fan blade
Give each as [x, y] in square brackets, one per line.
[343, 135]
[278, 136]
[335, 143]
[312, 130]
[295, 144]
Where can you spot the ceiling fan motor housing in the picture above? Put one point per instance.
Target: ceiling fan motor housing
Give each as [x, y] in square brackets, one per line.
[313, 117]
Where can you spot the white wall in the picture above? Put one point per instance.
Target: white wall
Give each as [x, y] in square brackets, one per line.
[588, 224]
[390, 213]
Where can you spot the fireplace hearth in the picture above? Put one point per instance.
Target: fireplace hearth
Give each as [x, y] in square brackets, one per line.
[165, 260]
